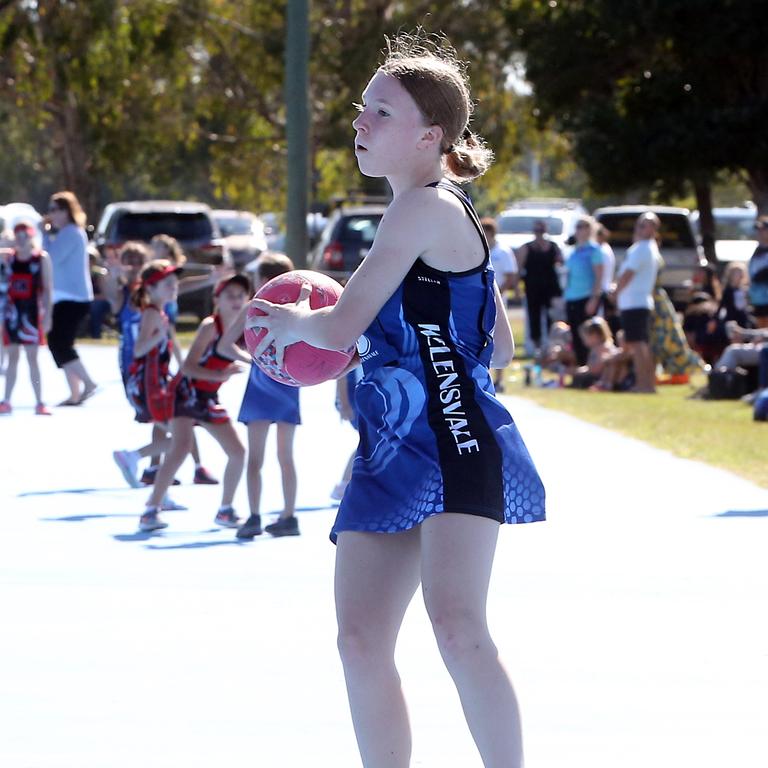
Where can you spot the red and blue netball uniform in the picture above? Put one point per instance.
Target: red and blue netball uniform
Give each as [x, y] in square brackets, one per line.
[433, 436]
[22, 310]
[198, 399]
[148, 382]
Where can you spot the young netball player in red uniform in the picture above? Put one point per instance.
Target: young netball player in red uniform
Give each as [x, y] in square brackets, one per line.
[28, 312]
[440, 462]
[196, 402]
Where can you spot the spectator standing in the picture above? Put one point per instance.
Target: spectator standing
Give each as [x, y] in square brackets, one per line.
[538, 262]
[584, 287]
[634, 291]
[506, 275]
[758, 275]
[609, 257]
[734, 304]
[66, 243]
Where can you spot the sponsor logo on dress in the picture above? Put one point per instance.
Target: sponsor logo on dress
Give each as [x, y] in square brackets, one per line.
[450, 391]
[428, 280]
[364, 348]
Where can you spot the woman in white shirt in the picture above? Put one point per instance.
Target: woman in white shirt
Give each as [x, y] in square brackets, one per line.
[67, 245]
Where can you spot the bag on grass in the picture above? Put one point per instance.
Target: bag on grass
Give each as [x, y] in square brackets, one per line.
[728, 384]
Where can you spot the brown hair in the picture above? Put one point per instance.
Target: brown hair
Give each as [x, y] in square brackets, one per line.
[490, 224]
[171, 245]
[134, 246]
[597, 325]
[68, 202]
[436, 80]
[140, 297]
[273, 264]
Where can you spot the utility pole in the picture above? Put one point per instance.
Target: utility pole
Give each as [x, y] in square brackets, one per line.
[296, 90]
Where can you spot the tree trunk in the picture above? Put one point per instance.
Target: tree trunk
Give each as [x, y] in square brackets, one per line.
[703, 189]
[757, 181]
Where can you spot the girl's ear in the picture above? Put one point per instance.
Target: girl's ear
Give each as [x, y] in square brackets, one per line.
[431, 137]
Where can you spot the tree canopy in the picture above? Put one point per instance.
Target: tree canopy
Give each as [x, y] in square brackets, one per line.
[184, 98]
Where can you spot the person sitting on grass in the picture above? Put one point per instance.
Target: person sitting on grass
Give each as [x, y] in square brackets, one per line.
[598, 339]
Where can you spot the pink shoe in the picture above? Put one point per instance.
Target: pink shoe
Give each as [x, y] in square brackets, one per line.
[41, 409]
[5, 407]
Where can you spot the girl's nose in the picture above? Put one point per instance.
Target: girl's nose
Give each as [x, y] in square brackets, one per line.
[359, 123]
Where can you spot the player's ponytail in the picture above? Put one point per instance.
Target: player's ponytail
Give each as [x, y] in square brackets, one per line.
[468, 157]
[139, 297]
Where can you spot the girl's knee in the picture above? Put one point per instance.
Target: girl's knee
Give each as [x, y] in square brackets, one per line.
[460, 634]
[359, 647]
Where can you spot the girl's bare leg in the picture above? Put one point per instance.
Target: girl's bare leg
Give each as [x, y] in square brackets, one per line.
[257, 439]
[376, 577]
[227, 438]
[456, 557]
[34, 371]
[285, 434]
[181, 442]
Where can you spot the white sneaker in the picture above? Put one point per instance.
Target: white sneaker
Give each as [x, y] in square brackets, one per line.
[169, 505]
[128, 464]
[338, 491]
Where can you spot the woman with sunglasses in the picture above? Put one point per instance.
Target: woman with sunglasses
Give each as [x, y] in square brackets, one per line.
[67, 244]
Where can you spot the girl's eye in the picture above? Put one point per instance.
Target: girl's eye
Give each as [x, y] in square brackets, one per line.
[383, 113]
[358, 107]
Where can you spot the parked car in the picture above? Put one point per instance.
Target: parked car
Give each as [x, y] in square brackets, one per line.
[192, 224]
[244, 235]
[12, 213]
[346, 240]
[515, 224]
[679, 246]
[734, 233]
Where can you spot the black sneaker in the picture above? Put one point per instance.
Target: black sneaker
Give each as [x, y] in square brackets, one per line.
[284, 526]
[250, 528]
[150, 473]
[226, 517]
[149, 521]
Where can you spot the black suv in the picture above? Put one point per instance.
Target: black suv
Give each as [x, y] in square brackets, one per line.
[192, 224]
[346, 240]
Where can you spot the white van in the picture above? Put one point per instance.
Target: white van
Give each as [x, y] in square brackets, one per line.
[515, 224]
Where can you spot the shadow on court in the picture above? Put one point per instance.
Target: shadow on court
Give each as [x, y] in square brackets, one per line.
[744, 513]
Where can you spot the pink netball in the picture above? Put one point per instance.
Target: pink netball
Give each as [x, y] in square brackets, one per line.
[303, 365]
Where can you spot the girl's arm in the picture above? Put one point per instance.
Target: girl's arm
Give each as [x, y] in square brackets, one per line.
[47, 303]
[401, 238]
[110, 284]
[196, 282]
[503, 341]
[191, 366]
[151, 333]
[227, 345]
[176, 350]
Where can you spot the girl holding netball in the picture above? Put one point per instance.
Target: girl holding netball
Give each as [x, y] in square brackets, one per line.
[440, 462]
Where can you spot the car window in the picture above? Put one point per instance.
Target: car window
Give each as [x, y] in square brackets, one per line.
[735, 228]
[359, 228]
[144, 226]
[675, 230]
[514, 224]
[236, 225]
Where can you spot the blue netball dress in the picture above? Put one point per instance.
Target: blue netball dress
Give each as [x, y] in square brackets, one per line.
[268, 400]
[433, 436]
[128, 321]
